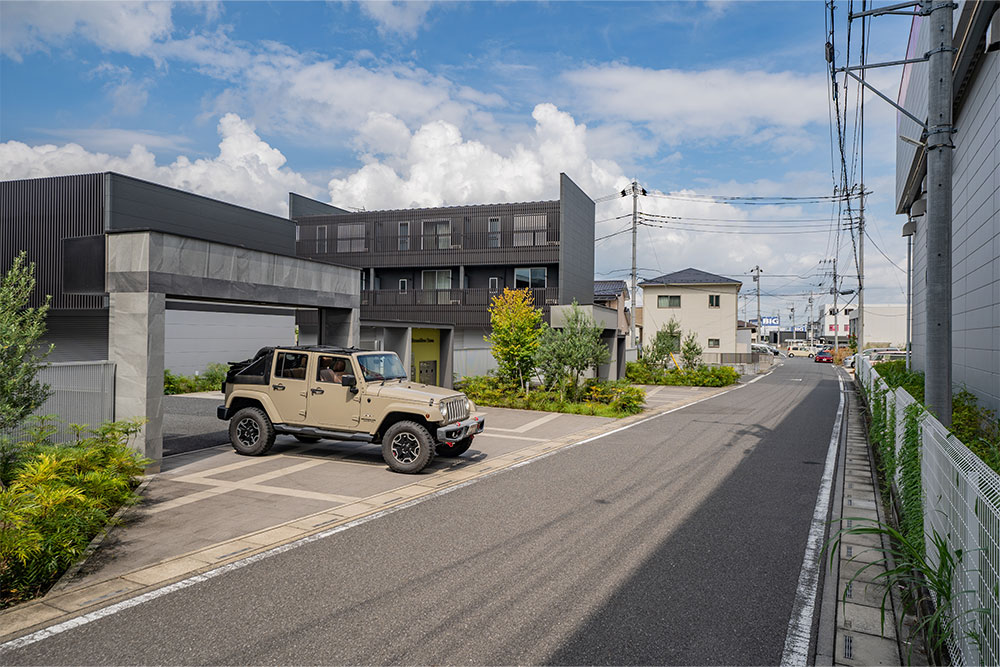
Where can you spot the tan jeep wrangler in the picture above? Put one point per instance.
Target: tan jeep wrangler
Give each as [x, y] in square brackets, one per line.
[317, 391]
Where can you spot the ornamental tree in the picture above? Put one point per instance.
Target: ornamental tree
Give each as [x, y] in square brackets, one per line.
[666, 341]
[20, 356]
[516, 334]
[691, 351]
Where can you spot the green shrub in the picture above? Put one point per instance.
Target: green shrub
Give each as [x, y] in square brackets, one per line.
[56, 498]
[701, 376]
[596, 397]
[209, 380]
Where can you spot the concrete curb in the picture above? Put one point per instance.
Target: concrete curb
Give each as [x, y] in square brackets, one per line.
[68, 603]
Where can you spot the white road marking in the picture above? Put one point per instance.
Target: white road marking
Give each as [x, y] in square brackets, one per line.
[85, 619]
[796, 651]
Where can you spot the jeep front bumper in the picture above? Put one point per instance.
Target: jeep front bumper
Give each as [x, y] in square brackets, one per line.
[462, 429]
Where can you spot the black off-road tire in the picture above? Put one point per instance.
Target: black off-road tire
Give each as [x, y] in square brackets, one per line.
[407, 447]
[459, 448]
[251, 432]
[308, 439]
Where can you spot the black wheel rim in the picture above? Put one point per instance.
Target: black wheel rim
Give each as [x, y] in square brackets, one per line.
[247, 432]
[405, 448]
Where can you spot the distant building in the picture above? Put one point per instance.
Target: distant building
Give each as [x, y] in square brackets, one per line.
[975, 225]
[435, 270]
[831, 325]
[614, 294]
[702, 303]
[885, 324]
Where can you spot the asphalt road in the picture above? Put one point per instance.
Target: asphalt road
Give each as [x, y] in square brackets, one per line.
[678, 541]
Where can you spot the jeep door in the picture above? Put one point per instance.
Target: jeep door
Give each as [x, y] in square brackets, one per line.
[289, 382]
[331, 404]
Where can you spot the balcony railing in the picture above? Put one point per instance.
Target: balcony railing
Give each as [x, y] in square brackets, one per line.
[461, 307]
[437, 249]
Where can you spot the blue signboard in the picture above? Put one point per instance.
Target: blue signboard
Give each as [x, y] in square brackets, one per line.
[771, 321]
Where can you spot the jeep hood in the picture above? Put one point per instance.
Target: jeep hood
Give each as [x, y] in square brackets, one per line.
[407, 390]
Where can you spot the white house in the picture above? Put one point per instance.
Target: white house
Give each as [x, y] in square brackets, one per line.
[701, 302]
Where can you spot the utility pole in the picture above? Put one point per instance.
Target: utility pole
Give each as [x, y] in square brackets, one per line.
[809, 322]
[756, 278]
[859, 335]
[794, 336]
[836, 315]
[635, 224]
[940, 99]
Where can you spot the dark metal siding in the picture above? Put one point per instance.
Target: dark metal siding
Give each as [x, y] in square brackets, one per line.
[469, 243]
[137, 204]
[576, 253]
[77, 336]
[299, 206]
[36, 214]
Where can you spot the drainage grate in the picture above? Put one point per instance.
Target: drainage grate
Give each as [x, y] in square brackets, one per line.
[848, 647]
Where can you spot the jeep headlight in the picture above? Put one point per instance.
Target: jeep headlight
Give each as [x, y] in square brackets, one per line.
[443, 410]
[470, 407]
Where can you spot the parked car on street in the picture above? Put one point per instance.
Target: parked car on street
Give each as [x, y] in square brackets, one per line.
[824, 356]
[318, 391]
[887, 355]
[849, 361]
[796, 350]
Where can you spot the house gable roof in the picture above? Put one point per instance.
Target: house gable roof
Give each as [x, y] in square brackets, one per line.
[691, 276]
[609, 288]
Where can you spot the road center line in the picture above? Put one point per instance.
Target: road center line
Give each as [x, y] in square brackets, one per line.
[796, 650]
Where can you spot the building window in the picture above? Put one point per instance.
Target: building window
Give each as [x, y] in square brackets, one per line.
[494, 284]
[713, 300]
[493, 237]
[437, 235]
[668, 301]
[530, 230]
[713, 342]
[351, 237]
[437, 285]
[535, 277]
[402, 285]
[404, 236]
[321, 240]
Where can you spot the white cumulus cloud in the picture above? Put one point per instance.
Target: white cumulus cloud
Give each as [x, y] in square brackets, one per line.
[247, 170]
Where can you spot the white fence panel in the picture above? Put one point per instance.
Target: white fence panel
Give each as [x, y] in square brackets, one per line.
[961, 496]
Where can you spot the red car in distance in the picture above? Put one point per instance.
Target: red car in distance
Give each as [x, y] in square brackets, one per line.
[824, 357]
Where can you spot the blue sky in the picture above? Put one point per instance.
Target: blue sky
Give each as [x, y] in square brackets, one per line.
[387, 105]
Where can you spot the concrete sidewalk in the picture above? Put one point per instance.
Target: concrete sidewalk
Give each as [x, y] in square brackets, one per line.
[850, 631]
[211, 507]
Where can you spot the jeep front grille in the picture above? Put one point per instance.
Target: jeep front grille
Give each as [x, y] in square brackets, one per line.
[455, 409]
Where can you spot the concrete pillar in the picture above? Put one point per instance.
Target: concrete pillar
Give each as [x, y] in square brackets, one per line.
[339, 326]
[135, 345]
[447, 358]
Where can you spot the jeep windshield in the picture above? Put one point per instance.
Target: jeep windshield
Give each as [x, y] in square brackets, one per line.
[381, 366]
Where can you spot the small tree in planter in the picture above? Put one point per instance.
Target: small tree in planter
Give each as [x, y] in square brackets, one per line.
[666, 341]
[691, 351]
[516, 334]
[568, 352]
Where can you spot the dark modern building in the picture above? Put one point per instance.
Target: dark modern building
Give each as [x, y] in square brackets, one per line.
[148, 277]
[439, 267]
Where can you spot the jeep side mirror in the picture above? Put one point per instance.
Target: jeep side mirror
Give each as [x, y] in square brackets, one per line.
[349, 380]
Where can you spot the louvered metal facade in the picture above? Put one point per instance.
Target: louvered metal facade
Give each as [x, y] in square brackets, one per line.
[36, 215]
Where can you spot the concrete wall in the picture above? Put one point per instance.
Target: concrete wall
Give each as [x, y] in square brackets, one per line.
[196, 338]
[576, 248]
[694, 315]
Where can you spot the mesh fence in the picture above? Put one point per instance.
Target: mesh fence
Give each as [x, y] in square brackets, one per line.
[961, 503]
[83, 392]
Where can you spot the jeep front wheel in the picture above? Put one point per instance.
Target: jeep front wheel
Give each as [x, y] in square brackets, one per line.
[456, 449]
[407, 447]
[251, 432]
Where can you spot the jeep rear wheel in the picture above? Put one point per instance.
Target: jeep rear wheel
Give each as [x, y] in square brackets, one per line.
[251, 432]
[407, 447]
[456, 449]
